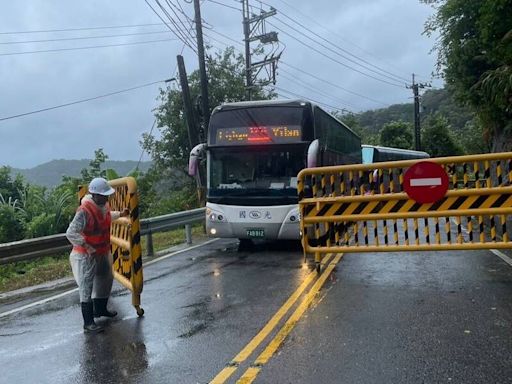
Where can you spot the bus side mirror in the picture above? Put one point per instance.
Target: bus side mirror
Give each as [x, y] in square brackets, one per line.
[313, 153]
[193, 161]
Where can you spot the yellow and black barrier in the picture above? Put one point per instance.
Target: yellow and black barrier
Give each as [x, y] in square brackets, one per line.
[345, 209]
[125, 238]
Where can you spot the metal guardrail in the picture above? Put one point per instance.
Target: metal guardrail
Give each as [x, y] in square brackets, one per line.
[49, 245]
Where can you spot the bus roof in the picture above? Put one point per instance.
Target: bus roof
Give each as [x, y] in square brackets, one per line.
[261, 103]
[397, 150]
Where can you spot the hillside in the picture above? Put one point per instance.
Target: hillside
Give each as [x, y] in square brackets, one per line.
[432, 101]
[50, 174]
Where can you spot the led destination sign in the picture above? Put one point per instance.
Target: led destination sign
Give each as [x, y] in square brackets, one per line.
[258, 135]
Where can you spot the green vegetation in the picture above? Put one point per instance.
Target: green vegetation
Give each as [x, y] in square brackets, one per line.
[28, 273]
[475, 58]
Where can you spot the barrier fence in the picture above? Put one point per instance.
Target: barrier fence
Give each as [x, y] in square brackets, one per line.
[125, 237]
[368, 208]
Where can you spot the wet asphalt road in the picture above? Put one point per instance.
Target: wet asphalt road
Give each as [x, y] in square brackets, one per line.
[441, 317]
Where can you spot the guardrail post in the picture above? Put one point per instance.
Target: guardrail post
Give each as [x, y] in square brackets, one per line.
[188, 233]
[149, 244]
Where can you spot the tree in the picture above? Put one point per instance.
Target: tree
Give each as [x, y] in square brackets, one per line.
[226, 74]
[475, 58]
[11, 220]
[397, 134]
[10, 188]
[352, 120]
[437, 140]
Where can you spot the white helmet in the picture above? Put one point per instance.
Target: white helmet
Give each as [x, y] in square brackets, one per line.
[100, 186]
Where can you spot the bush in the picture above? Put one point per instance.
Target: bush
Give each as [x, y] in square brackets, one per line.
[42, 225]
[11, 225]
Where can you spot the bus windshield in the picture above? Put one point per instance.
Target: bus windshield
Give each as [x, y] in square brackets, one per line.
[258, 171]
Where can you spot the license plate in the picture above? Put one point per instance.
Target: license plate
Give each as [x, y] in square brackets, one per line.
[255, 233]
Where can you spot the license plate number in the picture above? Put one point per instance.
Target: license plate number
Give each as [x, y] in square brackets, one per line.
[255, 232]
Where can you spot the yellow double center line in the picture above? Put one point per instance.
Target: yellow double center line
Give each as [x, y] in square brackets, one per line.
[251, 373]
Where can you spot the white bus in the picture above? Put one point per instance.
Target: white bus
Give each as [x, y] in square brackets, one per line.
[254, 152]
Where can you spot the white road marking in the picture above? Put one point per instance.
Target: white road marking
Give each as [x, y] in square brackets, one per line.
[36, 303]
[15, 310]
[426, 182]
[502, 256]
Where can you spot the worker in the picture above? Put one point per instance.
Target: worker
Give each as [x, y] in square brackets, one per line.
[91, 260]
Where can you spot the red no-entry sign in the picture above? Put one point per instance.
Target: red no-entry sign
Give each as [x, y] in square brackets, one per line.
[426, 182]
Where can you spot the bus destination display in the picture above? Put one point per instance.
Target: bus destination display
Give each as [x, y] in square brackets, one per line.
[258, 135]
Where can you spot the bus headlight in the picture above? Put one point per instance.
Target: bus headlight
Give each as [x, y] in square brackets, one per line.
[215, 217]
[293, 216]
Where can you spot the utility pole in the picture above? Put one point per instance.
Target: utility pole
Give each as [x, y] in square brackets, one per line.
[248, 74]
[193, 136]
[417, 129]
[202, 69]
[254, 30]
[192, 126]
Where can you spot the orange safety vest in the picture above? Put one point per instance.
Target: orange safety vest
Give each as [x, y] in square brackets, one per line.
[97, 228]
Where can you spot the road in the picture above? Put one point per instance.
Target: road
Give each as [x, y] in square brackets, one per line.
[218, 314]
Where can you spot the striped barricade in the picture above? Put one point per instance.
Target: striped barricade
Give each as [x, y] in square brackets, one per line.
[341, 211]
[125, 238]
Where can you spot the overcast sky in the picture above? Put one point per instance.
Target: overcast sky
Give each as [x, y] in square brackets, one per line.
[364, 49]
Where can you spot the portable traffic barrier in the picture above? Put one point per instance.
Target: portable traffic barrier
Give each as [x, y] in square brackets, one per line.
[462, 202]
[125, 237]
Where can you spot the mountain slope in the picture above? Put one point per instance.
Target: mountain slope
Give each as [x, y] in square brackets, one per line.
[50, 174]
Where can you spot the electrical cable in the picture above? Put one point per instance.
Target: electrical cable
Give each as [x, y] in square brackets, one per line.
[176, 34]
[299, 70]
[86, 47]
[80, 29]
[323, 54]
[81, 38]
[334, 85]
[80, 101]
[307, 98]
[314, 89]
[335, 60]
[184, 36]
[309, 18]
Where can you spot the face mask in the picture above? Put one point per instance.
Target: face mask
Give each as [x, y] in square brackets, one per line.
[100, 200]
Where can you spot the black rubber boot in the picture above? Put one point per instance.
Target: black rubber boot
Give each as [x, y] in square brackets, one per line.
[89, 325]
[100, 308]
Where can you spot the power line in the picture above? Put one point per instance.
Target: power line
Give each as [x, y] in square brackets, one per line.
[332, 84]
[308, 98]
[87, 47]
[333, 59]
[80, 29]
[384, 72]
[82, 38]
[225, 5]
[316, 90]
[184, 40]
[80, 101]
[298, 69]
[184, 34]
[309, 18]
[329, 49]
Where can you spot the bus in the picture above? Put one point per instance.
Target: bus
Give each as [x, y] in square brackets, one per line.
[376, 154]
[254, 152]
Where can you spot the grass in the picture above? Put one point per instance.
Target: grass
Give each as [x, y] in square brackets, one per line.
[27, 273]
[23, 274]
